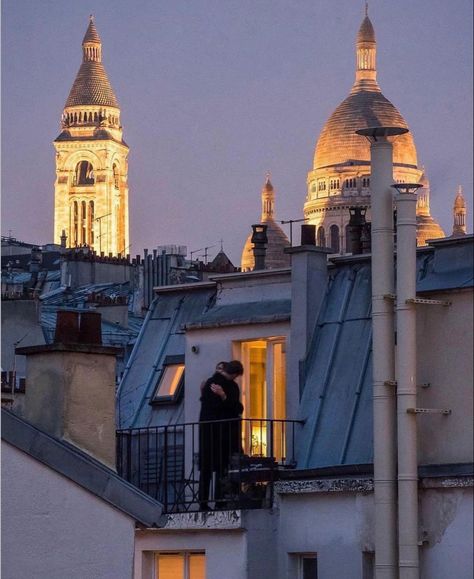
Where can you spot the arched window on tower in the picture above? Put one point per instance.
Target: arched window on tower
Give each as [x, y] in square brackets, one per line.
[91, 223]
[83, 223]
[84, 174]
[321, 237]
[115, 172]
[334, 235]
[76, 224]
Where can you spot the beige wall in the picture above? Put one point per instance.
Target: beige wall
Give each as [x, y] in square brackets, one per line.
[72, 396]
[445, 347]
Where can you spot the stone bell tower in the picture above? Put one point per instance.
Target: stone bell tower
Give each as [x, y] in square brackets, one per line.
[91, 190]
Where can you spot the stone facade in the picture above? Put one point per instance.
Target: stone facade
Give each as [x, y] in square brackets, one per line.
[91, 190]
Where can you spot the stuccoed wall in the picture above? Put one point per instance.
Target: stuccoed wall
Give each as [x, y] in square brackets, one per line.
[53, 529]
[338, 527]
[445, 346]
[226, 551]
[446, 518]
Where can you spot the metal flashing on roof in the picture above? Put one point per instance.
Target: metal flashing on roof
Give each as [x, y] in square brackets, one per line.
[251, 274]
[162, 289]
[263, 312]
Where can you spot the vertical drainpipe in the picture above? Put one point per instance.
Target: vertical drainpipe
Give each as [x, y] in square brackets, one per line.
[405, 375]
[383, 345]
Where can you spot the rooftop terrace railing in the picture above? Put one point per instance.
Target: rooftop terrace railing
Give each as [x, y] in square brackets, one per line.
[212, 465]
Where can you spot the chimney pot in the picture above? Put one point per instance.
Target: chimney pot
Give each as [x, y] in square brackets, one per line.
[90, 330]
[67, 327]
[308, 234]
[259, 240]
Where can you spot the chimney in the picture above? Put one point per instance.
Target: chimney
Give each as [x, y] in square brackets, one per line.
[357, 229]
[63, 239]
[70, 390]
[259, 240]
[308, 234]
[35, 265]
[309, 276]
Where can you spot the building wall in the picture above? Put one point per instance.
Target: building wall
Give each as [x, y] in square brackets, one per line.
[337, 527]
[225, 550]
[53, 529]
[445, 346]
[71, 395]
[448, 522]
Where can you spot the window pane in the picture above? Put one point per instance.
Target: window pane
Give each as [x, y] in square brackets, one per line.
[170, 566]
[197, 566]
[170, 379]
[310, 568]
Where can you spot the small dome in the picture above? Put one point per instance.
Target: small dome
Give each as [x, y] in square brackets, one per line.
[427, 228]
[366, 31]
[275, 256]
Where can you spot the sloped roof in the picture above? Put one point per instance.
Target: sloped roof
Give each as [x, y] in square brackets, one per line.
[162, 335]
[336, 400]
[82, 469]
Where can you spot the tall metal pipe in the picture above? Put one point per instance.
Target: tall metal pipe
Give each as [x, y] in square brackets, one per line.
[383, 344]
[405, 375]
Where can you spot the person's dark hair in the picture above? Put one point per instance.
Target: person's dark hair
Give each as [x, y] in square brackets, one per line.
[234, 367]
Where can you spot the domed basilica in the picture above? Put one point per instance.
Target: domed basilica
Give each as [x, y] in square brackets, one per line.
[340, 177]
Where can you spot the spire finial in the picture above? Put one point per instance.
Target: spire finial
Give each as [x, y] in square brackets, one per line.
[366, 8]
[460, 190]
[91, 18]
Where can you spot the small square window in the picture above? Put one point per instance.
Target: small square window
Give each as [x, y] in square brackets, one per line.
[170, 382]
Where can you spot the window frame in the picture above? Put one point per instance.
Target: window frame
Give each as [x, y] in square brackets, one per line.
[185, 554]
[177, 360]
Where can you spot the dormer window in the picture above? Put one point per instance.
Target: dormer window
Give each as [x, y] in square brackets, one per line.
[170, 381]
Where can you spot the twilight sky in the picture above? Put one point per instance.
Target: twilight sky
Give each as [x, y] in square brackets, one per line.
[215, 93]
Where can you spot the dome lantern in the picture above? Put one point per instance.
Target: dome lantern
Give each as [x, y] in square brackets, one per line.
[366, 53]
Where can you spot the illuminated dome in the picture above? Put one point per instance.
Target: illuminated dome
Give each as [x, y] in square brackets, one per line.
[365, 107]
[340, 177]
[277, 240]
[338, 143]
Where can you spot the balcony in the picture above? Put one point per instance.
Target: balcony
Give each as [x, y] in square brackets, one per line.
[165, 462]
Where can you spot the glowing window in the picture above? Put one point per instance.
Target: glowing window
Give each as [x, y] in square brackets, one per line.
[170, 381]
[180, 566]
[264, 396]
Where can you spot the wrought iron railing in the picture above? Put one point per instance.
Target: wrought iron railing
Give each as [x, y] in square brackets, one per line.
[208, 465]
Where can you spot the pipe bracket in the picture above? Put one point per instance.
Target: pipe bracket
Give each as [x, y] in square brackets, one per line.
[429, 411]
[428, 302]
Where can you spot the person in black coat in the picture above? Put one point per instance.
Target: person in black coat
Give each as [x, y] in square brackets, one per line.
[220, 401]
